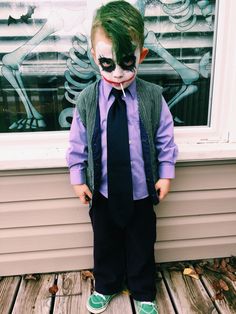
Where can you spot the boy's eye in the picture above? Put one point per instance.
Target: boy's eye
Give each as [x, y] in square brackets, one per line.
[128, 63]
[107, 64]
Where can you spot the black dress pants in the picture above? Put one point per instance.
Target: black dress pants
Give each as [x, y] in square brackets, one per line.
[124, 256]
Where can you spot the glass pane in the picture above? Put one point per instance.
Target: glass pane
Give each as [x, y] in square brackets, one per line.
[46, 60]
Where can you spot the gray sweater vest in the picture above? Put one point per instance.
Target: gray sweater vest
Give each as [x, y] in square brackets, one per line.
[149, 104]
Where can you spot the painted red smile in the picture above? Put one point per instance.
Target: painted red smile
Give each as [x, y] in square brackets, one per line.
[118, 83]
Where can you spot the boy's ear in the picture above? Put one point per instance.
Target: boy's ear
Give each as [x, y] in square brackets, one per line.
[94, 55]
[143, 54]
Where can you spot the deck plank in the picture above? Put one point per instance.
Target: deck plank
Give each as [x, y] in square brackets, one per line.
[120, 304]
[72, 294]
[33, 296]
[228, 304]
[188, 294]
[8, 290]
[162, 298]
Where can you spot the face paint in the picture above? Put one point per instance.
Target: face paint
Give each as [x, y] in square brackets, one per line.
[107, 64]
[127, 63]
[115, 74]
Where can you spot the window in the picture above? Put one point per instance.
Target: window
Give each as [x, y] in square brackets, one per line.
[46, 62]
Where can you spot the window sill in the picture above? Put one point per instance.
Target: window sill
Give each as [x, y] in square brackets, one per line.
[44, 150]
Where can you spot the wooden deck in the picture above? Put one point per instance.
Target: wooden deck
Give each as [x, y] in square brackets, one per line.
[214, 292]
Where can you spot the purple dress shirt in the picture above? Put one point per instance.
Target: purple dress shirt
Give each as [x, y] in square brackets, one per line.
[164, 141]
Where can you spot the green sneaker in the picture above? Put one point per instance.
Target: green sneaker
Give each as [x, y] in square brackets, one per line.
[97, 302]
[144, 307]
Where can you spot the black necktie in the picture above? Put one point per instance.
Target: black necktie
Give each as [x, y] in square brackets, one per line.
[120, 190]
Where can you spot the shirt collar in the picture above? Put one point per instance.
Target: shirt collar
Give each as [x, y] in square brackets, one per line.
[106, 87]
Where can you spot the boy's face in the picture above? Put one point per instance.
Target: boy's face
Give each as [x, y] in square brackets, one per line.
[104, 56]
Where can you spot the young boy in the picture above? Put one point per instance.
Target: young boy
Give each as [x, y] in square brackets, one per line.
[121, 159]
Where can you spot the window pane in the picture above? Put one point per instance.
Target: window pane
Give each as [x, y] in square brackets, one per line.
[46, 60]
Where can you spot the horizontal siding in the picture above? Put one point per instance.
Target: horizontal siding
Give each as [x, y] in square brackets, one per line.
[56, 185]
[192, 249]
[69, 210]
[45, 238]
[190, 203]
[176, 228]
[42, 213]
[47, 186]
[80, 235]
[44, 228]
[46, 261]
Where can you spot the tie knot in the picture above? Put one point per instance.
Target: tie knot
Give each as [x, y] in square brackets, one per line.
[117, 93]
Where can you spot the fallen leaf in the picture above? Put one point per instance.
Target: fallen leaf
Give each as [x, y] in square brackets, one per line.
[216, 263]
[223, 285]
[223, 264]
[198, 270]
[219, 296]
[53, 290]
[87, 274]
[216, 286]
[191, 273]
[35, 277]
[231, 268]
[231, 276]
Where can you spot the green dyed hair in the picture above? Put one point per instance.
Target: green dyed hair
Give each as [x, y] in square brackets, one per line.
[123, 24]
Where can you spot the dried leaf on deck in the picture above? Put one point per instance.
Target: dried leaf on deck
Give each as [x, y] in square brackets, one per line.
[53, 290]
[216, 263]
[233, 260]
[216, 286]
[223, 285]
[223, 264]
[87, 274]
[219, 296]
[231, 268]
[32, 277]
[191, 273]
[199, 270]
[230, 275]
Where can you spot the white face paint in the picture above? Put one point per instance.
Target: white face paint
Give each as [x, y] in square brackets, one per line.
[115, 74]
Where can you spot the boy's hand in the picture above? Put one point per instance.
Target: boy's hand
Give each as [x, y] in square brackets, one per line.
[163, 185]
[83, 193]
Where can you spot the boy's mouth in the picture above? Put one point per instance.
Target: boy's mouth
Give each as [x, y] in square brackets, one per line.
[118, 83]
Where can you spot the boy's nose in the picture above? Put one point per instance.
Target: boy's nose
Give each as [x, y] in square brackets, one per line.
[118, 72]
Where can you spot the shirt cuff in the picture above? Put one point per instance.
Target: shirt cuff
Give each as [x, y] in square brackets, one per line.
[77, 176]
[166, 170]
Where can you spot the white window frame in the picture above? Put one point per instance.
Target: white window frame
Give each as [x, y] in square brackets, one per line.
[216, 141]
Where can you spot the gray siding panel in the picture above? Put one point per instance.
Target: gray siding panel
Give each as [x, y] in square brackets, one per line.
[44, 228]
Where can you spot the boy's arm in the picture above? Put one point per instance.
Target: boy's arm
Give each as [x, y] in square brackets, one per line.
[77, 156]
[167, 151]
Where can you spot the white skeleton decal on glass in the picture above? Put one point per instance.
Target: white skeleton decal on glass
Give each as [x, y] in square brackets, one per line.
[81, 69]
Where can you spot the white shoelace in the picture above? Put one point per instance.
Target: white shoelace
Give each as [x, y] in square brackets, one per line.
[148, 303]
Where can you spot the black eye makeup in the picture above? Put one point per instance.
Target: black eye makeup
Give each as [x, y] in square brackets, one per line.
[128, 63]
[107, 64]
